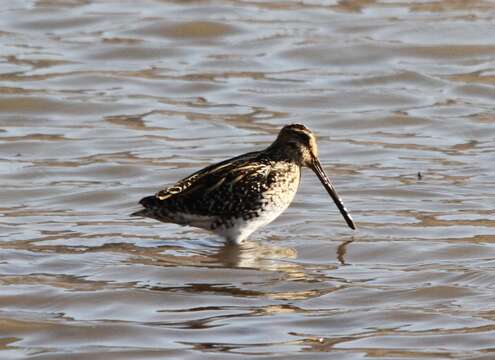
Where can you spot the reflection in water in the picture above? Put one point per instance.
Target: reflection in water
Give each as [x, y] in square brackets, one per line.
[342, 250]
[284, 278]
[255, 255]
[252, 255]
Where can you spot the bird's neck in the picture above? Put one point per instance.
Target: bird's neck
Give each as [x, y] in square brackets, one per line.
[279, 151]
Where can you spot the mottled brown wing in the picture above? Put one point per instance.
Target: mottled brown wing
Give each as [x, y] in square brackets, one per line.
[232, 189]
[202, 176]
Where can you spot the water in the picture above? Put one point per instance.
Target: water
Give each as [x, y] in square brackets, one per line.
[103, 102]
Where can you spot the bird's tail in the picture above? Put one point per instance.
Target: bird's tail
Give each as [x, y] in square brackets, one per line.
[142, 212]
[150, 203]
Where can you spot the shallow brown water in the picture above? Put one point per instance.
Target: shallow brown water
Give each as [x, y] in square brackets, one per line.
[103, 102]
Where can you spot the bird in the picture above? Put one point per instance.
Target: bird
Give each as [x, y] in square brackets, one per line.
[237, 196]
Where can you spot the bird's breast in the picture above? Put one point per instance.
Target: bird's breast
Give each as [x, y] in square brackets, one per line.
[281, 187]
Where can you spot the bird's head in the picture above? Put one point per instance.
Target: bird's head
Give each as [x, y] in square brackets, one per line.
[297, 143]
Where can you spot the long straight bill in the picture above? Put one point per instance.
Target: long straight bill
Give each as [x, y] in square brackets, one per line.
[325, 180]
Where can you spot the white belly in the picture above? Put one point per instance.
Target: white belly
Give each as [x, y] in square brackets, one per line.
[281, 196]
[243, 228]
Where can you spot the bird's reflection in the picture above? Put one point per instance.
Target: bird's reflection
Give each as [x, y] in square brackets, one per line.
[342, 251]
[261, 255]
[280, 275]
[253, 255]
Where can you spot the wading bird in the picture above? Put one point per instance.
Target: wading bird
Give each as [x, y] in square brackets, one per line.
[235, 197]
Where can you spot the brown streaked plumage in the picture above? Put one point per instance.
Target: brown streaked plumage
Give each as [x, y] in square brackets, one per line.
[235, 197]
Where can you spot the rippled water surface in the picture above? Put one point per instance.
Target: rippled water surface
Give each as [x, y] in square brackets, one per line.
[103, 102]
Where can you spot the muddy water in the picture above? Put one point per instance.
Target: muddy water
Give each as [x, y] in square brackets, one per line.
[103, 102]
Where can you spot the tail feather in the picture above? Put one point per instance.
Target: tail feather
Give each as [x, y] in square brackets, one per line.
[149, 203]
[142, 212]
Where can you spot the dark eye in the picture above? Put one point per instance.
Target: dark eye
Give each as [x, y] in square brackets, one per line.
[303, 138]
[293, 144]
